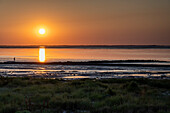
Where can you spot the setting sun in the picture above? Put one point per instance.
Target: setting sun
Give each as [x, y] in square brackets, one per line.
[42, 31]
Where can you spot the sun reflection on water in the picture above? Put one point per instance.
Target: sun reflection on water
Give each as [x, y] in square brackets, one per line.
[42, 54]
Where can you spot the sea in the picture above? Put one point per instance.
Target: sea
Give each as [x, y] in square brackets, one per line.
[138, 54]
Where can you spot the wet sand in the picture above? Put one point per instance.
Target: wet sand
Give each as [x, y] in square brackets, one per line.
[152, 69]
[131, 63]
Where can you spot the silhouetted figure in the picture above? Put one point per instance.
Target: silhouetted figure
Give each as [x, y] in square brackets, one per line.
[14, 59]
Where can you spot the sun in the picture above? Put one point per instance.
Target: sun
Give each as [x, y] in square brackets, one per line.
[42, 31]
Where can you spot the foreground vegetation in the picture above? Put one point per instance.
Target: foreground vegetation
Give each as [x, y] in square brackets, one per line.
[28, 95]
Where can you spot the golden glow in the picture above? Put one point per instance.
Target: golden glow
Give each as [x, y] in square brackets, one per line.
[42, 54]
[42, 31]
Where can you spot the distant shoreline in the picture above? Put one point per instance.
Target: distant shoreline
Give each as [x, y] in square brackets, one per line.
[90, 46]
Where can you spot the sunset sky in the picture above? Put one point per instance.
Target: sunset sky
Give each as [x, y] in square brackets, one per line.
[81, 22]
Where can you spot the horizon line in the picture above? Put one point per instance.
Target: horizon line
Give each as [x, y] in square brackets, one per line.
[91, 46]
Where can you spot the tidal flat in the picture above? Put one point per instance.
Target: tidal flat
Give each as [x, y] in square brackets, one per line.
[33, 95]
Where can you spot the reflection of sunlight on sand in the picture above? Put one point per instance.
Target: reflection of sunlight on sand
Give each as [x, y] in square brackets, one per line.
[42, 54]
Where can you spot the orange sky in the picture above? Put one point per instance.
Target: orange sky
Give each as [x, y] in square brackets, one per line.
[85, 22]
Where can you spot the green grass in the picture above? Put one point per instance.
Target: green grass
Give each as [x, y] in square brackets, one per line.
[28, 95]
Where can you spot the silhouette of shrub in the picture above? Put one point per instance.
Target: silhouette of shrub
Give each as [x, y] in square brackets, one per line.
[25, 111]
[133, 86]
[8, 108]
[104, 109]
[110, 92]
[115, 100]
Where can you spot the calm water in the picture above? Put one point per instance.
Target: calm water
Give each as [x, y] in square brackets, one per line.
[51, 55]
[72, 72]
